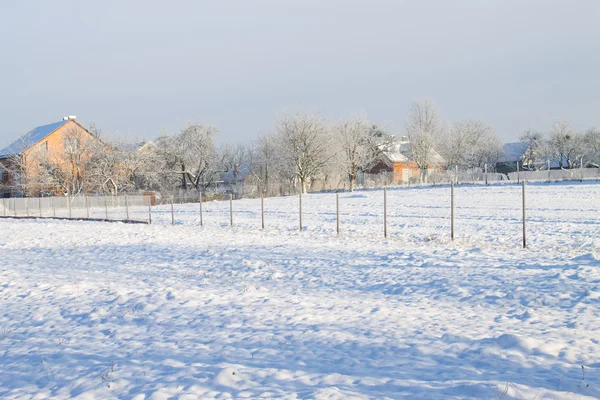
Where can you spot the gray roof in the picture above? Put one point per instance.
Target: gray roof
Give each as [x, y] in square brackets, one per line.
[29, 139]
[513, 152]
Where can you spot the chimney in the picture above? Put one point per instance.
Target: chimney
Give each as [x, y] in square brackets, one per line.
[69, 117]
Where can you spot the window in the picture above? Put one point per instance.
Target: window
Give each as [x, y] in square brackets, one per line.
[43, 147]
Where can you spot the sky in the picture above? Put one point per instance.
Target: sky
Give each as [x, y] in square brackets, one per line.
[140, 69]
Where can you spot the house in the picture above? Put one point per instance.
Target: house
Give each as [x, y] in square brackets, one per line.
[28, 157]
[397, 160]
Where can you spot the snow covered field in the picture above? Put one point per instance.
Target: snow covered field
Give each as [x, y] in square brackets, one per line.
[96, 310]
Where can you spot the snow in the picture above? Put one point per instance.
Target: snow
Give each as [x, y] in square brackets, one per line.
[96, 310]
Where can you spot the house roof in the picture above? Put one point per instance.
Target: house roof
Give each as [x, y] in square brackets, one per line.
[513, 152]
[402, 152]
[30, 138]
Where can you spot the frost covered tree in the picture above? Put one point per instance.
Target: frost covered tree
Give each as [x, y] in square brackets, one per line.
[535, 155]
[591, 143]
[264, 162]
[303, 143]
[359, 143]
[426, 133]
[189, 155]
[472, 144]
[564, 146]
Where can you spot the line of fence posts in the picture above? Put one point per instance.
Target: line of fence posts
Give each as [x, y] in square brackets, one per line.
[262, 206]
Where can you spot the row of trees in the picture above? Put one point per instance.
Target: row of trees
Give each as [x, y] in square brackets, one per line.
[302, 151]
[562, 146]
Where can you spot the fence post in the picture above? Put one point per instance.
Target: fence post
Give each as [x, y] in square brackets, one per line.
[15, 205]
[126, 207]
[87, 207]
[106, 208]
[149, 209]
[385, 212]
[452, 211]
[40, 205]
[456, 173]
[69, 205]
[262, 209]
[172, 211]
[485, 171]
[300, 203]
[549, 171]
[27, 205]
[53, 207]
[337, 211]
[524, 230]
[4, 205]
[201, 221]
[231, 209]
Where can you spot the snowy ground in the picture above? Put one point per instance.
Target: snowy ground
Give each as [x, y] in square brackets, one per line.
[96, 310]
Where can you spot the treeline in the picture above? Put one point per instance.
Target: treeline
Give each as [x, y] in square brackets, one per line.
[303, 151]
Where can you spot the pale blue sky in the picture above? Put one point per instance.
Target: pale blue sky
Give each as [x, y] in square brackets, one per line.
[140, 67]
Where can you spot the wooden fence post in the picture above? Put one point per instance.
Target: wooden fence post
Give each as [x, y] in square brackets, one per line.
[486, 177]
[40, 205]
[231, 209]
[126, 207]
[87, 207]
[106, 207]
[172, 212]
[69, 205]
[337, 211]
[15, 205]
[452, 211]
[262, 209]
[201, 220]
[300, 203]
[149, 209]
[4, 205]
[518, 174]
[524, 229]
[53, 206]
[27, 205]
[385, 212]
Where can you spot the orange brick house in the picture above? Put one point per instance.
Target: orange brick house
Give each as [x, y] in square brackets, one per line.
[398, 163]
[27, 157]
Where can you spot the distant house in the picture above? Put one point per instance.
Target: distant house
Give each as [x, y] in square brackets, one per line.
[513, 153]
[398, 161]
[24, 157]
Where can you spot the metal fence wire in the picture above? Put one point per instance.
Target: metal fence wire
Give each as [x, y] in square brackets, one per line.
[108, 208]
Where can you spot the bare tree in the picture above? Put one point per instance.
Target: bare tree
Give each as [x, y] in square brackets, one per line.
[359, 146]
[425, 132]
[304, 145]
[471, 144]
[564, 145]
[113, 167]
[535, 154]
[263, 159]
[189, 155]
[591, 142]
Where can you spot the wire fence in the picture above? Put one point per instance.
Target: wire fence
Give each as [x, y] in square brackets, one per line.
[100, 208]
